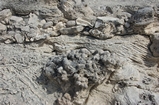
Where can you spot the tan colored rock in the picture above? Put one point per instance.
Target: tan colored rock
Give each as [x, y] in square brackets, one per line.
[152, 28]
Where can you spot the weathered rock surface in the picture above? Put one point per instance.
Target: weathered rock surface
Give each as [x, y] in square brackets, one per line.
[79, 52]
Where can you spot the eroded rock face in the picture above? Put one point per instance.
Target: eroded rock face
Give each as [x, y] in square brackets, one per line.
[79, 52]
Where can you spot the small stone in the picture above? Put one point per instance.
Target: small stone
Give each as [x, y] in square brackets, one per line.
[155, 45]
[72, 30]
[109, 19]
[33, 20]
[127, 25]
[59, 25]
[47, 25]
[42, 22]
[70, 23]
[15, 19]
[83, 22]
[5, 13]
[19, 38]
[53, 33]
[25, 29]
[3, 28]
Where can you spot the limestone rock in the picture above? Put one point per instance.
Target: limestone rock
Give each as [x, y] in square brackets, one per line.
[33, 20]
[5, 13]
[104, 31]
[71, 23]
[72, 30]
[108, 19]
[67, 9]
[83, 22]
[144, 16]
[15, 19]
[47, 12]
[155, 45]
[47, 25]
[19, 38]
[3, 28]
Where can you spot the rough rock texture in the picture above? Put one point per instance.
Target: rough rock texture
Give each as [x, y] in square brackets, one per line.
[79, 52]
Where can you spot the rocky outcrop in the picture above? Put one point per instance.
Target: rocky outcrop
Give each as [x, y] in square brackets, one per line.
[68, 52]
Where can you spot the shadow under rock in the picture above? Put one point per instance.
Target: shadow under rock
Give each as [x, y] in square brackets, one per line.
[48, 85]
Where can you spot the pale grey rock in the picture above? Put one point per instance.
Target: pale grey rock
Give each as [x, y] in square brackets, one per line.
[72, 30]
[67, 9]
[3, 28]
[53, 33]
[109, 19]
[15, 19]
[71, 23]
[83, 22]
[50, 12]
[59, 26]
[47, 25]
[104, 31]
[33, 20]
[5, 14]
[19, 38]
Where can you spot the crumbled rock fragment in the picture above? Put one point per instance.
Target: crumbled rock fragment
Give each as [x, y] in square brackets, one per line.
[71, 23]
[67, 9]
[65, 100]
[47, 25]
[33, 20]
[15, 19]
[104, 31]
[152, 28]
[83, 22]
[72, 30]
[3, 28]
[19, 38]
[109, 19]
[50, 12]
[5, 14]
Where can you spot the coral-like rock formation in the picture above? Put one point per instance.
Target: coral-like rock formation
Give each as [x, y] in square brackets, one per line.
[79, 52]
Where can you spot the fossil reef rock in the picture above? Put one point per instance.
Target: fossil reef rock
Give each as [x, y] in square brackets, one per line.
[79, 52]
